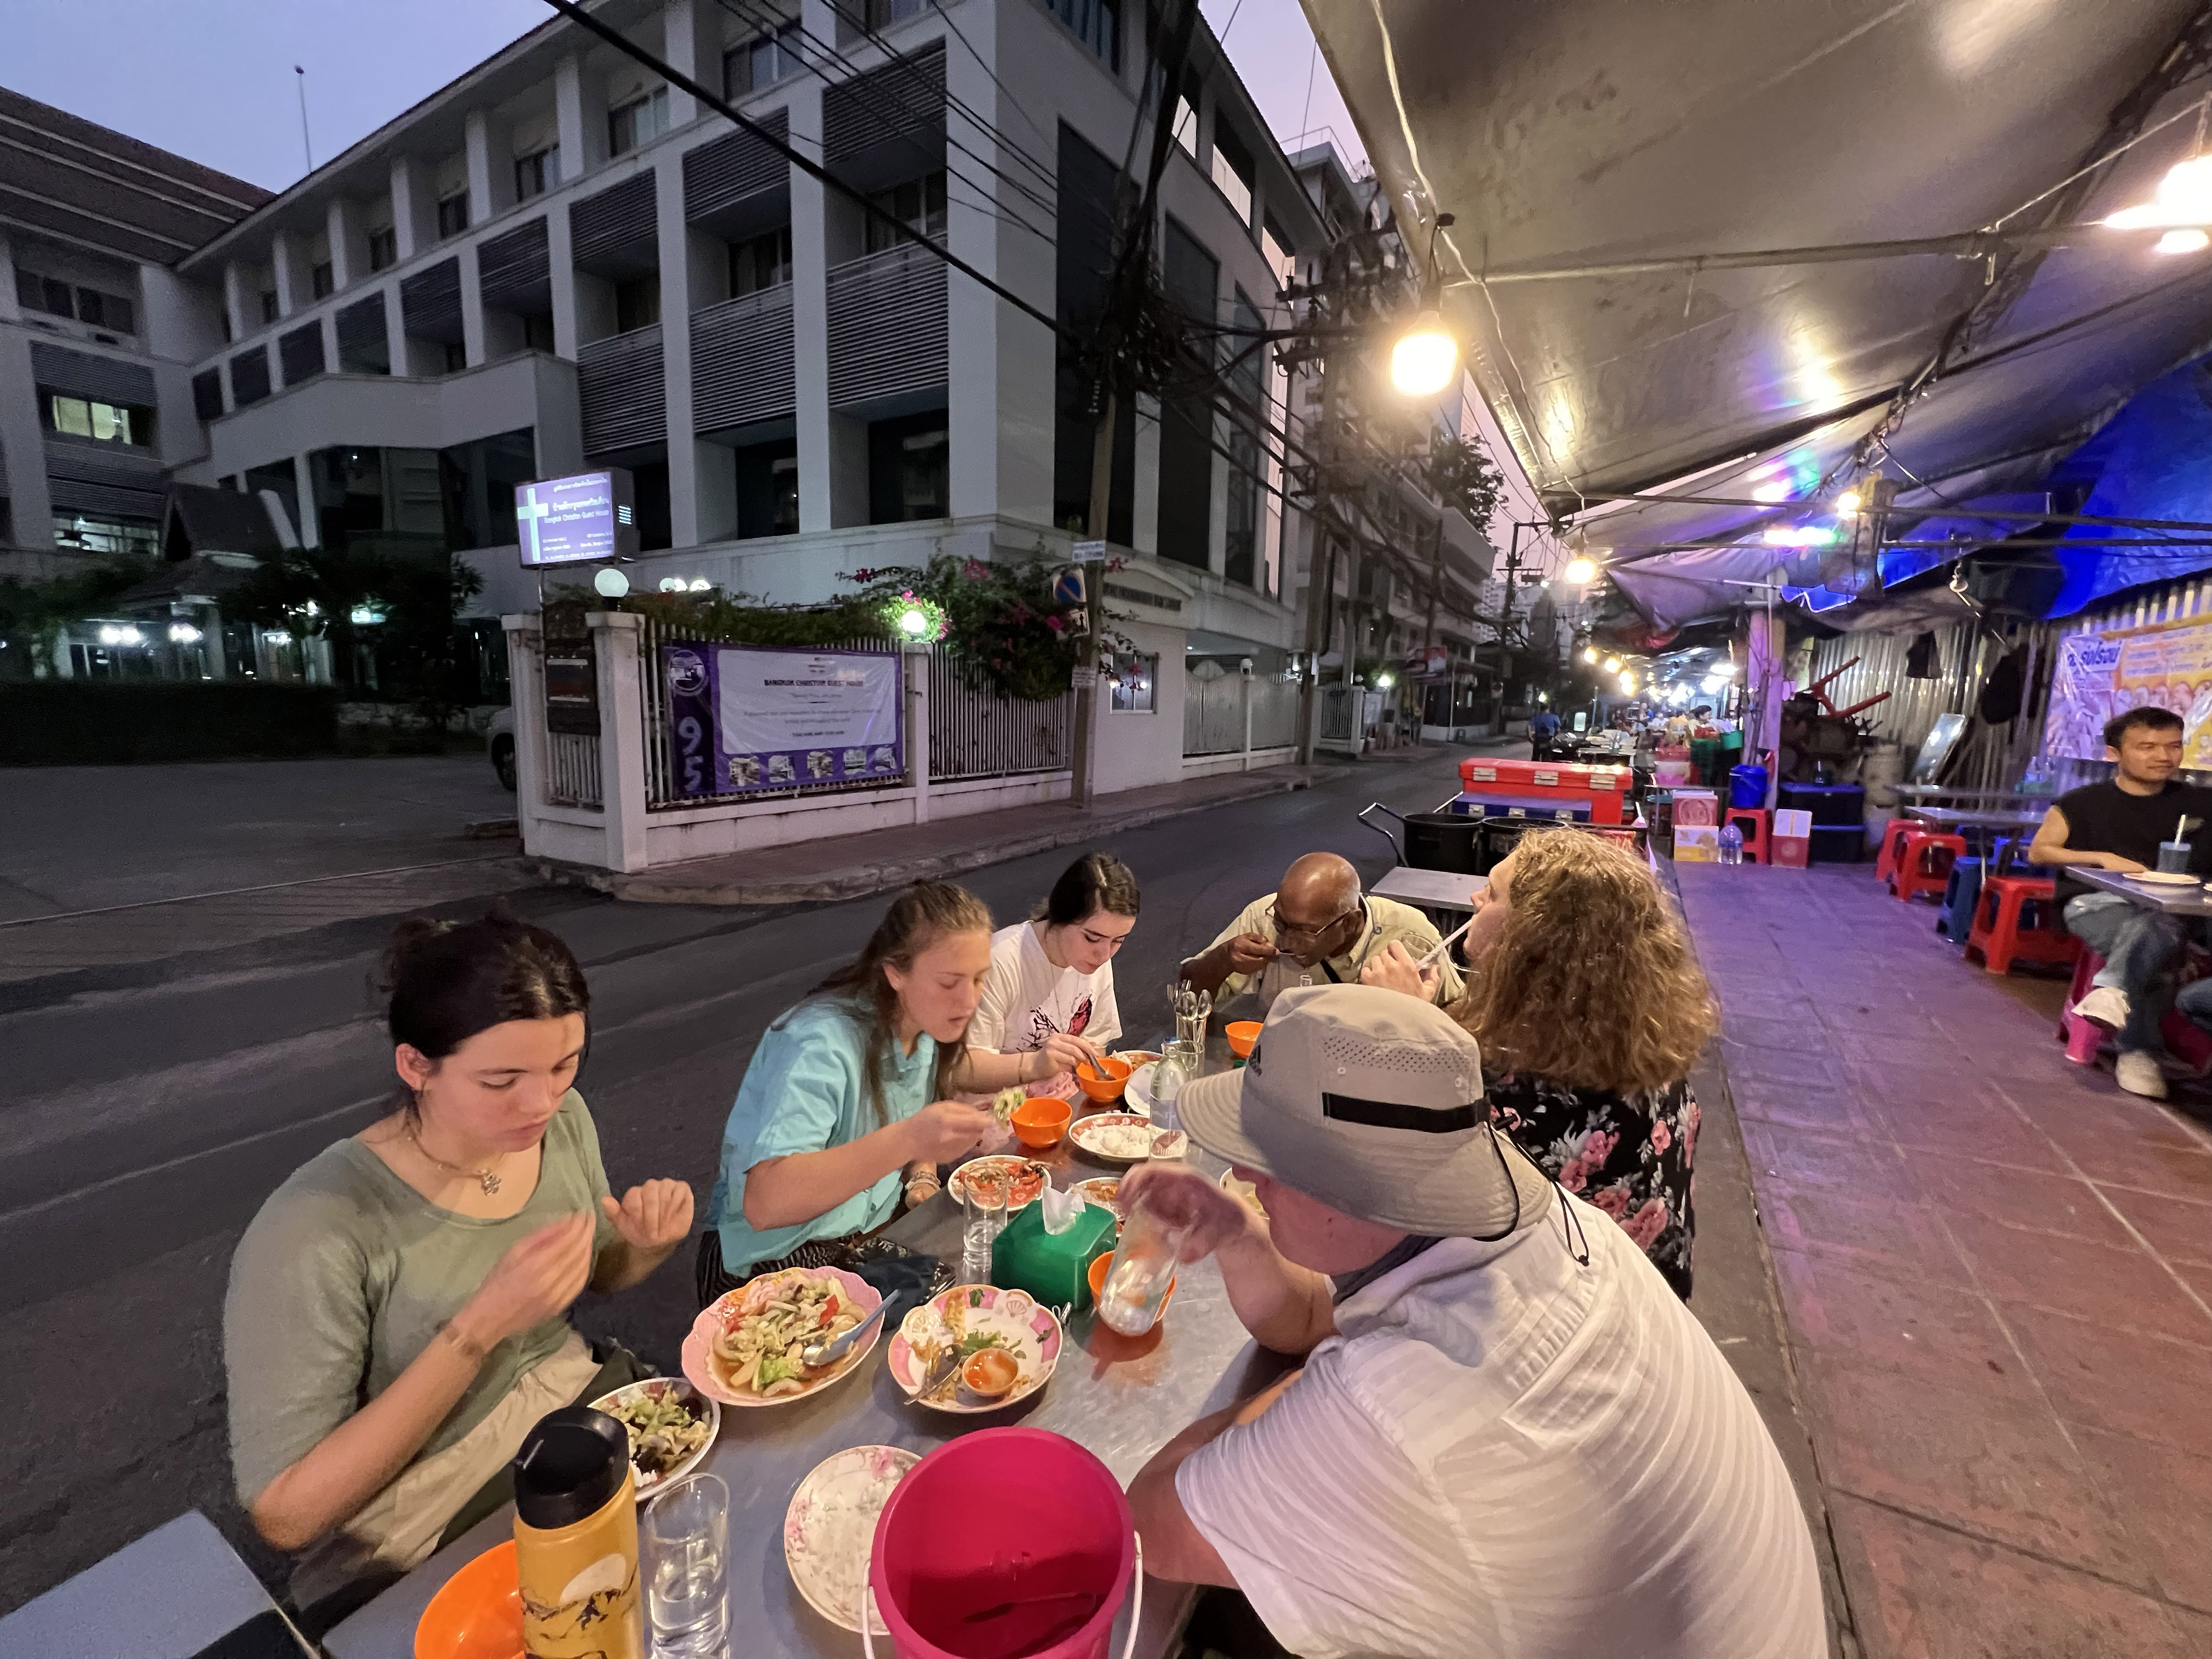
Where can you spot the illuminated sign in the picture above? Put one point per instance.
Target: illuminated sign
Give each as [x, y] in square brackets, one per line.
[576, 520]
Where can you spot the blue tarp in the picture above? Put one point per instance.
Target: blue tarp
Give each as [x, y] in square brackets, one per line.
[2152, 460]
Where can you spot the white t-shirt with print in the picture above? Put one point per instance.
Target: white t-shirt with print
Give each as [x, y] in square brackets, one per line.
[1026, 999]
[1502, 1453]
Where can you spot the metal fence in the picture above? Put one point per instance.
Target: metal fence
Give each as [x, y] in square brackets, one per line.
[975, 733]
[1274, 712]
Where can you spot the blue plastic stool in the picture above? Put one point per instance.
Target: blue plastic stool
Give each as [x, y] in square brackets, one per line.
[1960, 894]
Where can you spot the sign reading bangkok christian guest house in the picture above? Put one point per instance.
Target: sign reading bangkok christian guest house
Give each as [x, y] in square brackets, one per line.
[754, 717]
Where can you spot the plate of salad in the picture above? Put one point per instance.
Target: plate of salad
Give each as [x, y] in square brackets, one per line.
[745, 1347]
[973, 1317]
[671, 1426]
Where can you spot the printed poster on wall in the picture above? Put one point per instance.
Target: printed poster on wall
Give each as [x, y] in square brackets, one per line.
[2097, 676]
[744, 717]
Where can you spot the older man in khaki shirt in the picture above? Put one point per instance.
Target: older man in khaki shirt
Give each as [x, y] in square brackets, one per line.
[1316, 928]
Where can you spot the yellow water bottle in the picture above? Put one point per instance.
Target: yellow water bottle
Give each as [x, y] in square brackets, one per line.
[575, 1539]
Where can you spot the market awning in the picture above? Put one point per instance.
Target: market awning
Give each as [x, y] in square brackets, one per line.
[1593, 132]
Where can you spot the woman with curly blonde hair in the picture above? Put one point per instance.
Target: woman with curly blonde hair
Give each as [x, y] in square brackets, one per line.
[1591, 1010]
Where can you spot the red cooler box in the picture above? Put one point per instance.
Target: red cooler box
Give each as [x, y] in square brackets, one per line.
[1602, 789]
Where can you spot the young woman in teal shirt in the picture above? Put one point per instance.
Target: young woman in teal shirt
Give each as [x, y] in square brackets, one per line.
[848, 1094]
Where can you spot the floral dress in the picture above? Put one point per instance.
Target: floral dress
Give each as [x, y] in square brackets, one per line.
[1628, 1155]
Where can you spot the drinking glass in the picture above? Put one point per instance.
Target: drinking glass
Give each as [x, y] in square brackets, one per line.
[983, 1204]
[2173, 856]
[684, 1538]
[1143, 1269]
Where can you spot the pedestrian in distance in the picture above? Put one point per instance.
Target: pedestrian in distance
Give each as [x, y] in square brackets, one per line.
[397, 1313]
[1505, 1435]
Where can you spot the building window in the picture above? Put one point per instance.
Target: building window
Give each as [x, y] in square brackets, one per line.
[538, 331]
[90, 417]
[768, 488]
[882, 13]
[86, 304]
[762, 62]
[1135, 674]
[453, 214]
[110, 538]
[637, 303]
[537, 172]
[271, 311]
[761, 263]
[1185, 126]
[322, 279]
[1274, 249]
[383, 248]
[1232, 173]
[910, 469]
[1096, 23]
[918, 204]
[638, 122]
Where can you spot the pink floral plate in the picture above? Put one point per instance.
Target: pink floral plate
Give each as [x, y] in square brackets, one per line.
[976, 1316]
[717, 1317]
[829, 1530]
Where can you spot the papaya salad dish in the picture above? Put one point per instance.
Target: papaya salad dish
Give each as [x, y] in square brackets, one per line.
[750, 1343]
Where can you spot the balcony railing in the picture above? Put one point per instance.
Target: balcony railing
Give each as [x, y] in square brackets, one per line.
[887, 325]
[741, 361]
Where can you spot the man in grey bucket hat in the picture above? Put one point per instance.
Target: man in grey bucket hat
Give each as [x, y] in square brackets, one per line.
[1509, 1436]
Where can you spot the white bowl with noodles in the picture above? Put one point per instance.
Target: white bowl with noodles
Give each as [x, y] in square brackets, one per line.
[711, 1375]
[655, 1472]
[829, 1530]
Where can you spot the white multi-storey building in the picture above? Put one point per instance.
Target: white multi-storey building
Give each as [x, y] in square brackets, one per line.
[558, 261]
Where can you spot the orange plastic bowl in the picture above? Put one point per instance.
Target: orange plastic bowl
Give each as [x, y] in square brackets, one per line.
[1040, 1121]
[1099, 1264]
[478, 1612]
[1241, 1035]
[1103, 1078]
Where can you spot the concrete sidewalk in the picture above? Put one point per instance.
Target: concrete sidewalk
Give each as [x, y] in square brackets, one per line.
[1995, 1278]
[852, 867]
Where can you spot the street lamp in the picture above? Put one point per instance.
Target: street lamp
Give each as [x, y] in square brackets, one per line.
[913, 621]
[1581, 570]
[1424, 358]
[1384, 682]
[1613, 665]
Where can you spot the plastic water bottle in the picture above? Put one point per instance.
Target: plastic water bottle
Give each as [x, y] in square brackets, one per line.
[1731, 840]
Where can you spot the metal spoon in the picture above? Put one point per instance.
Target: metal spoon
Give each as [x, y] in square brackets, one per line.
[818, 1354]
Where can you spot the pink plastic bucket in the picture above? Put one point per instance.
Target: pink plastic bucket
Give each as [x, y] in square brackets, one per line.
[1005, 1544]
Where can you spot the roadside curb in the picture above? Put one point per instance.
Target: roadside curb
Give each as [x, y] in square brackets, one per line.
[859, 880]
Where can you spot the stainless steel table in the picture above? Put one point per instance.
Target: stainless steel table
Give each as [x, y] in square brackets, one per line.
[1977, 818]
[1431, 890]
[1122, 1399]
[2190, 902]
[1931, 791]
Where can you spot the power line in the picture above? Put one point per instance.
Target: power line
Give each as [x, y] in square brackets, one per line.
[812, 169]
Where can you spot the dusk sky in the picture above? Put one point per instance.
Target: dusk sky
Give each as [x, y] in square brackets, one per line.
[212, 80]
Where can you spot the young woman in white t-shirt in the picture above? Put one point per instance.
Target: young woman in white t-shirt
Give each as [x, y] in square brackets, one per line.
[1053, 973]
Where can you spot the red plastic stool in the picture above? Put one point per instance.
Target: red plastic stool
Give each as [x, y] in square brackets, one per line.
[1753, 820]
[1997, 936]
[1893, 836]
[1924, 863]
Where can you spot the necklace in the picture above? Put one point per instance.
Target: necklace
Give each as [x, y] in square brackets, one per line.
[486, 1179]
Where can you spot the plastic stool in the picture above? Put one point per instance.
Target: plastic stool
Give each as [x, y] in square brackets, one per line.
[1893, 836]
[1923, 864]
[1753, 822]
[1961, 899]
[1998, 936]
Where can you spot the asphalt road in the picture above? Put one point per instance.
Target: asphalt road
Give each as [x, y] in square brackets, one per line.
[144, 1122]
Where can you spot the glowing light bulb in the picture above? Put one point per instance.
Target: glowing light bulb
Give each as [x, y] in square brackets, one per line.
[1848, 503]
[1613, 665]
[913, 621]
[1384, 682]
[2183, 198]
[1589, 653]
[1777, 491]
[2182, 241]
[1628, 685]
[1425, 357]
[1581, 571]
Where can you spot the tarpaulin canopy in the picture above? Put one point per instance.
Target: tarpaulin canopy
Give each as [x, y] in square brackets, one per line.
[1587, 133]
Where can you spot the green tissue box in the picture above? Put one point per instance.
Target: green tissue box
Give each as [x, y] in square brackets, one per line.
[1054, 1268]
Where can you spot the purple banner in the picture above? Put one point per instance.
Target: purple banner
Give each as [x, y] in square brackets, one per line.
[748, 717]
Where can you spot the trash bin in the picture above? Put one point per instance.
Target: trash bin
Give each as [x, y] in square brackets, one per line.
[1444, 841]
[1747, 786]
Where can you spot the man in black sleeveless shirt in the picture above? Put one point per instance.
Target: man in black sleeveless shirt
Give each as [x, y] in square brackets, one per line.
[2117, 826]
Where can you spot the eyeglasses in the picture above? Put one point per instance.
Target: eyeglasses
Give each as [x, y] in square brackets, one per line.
[1285, 930]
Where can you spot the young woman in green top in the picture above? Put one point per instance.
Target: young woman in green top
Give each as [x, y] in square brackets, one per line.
[396, 1319]
[848, 1094]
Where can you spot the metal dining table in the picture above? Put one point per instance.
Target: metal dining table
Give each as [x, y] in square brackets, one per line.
[1430, 889]
[1121, 1398]
[2018, 819]
[2190, 902]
